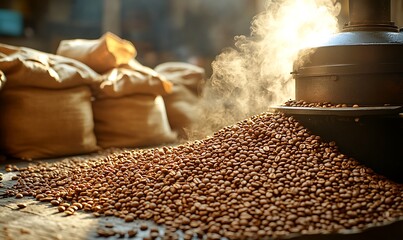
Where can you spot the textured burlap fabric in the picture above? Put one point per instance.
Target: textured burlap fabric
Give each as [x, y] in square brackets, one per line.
[45, 105]
[182, 103]
[41, 123]
[25, 67]
[132, 121]
[101, 54]
[131, 79]
[128, 109]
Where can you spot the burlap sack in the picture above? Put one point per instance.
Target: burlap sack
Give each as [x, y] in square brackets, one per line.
[101, 54]
[127, 80]
[25, 67]
[181, 104]
[132, 121]
[45, 105]
[41, 123]
[128, 110]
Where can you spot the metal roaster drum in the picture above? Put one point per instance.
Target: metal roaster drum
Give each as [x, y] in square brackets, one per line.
[362, 65]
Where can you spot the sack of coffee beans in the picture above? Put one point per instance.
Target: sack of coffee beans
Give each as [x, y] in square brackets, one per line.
[25, 67]
[181, 104]
[128, 108]
[43, 123]
[45, 105]
[131, 79]
[101, 54]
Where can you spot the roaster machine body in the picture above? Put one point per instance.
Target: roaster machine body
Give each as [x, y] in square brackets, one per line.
[363, 66]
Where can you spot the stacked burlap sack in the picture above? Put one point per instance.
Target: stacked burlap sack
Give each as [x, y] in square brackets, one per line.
[93, 94]
[45, 105]
[129, 110]
[182, 103]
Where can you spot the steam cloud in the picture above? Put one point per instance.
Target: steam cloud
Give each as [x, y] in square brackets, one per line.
[255, 75]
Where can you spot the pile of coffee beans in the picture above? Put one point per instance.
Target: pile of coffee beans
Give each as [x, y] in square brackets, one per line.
[265, 176]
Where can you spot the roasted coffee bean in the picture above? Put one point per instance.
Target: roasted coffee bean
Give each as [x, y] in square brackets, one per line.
[65, 205]
[132, 233]
[69, 212]
[78, 205]
[61, 208]
[143, 227]
[102, 232]
[129, 218]
[19, 195]
[55, 202]
[21, 205]
[39, 196]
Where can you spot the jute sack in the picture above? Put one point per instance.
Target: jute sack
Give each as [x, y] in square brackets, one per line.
[101, 54]
[131, 79]
[25, 67]
[181, 104]
[43, 123]
[129, 111]
[45, 105]
[132, 121]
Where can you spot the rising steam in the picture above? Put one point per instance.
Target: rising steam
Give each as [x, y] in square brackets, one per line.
[255, 75]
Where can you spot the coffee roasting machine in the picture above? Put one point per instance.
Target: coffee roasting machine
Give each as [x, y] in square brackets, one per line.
[362, 66]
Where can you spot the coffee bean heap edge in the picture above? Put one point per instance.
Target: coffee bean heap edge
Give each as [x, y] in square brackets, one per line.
[302, 103]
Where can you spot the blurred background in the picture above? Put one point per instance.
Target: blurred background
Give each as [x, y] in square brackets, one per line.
[193, 31]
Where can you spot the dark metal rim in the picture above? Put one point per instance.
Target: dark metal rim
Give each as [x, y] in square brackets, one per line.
[350, 69]
[371, 27]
